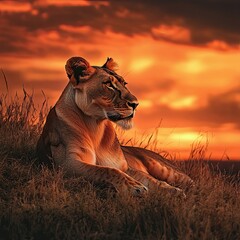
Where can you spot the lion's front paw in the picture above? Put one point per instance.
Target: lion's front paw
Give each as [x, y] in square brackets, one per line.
[136, 189]
[178, 192]
[139, 191]
[175, 191]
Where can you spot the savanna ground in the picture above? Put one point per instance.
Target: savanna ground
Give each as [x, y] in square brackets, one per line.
[37, 203]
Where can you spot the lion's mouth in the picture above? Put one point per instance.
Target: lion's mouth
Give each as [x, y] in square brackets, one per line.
[117, 117]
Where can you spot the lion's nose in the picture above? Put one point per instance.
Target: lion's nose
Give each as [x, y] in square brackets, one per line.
[133, 105]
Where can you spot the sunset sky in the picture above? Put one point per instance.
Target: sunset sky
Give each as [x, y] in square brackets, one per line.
[180, 58]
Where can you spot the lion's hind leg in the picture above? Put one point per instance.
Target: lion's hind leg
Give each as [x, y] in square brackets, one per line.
[166, 173]
[155, 165]
[152, 183]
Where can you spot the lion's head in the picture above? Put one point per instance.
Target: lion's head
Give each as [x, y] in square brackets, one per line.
[100, 92]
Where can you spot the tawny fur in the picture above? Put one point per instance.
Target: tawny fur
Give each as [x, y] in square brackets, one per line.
[79, 136]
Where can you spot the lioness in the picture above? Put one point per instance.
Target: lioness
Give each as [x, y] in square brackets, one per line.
[79, 136]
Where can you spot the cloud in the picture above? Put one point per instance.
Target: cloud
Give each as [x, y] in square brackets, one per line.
[51, 83]
[224, 108]
[173, 33]
[189, 22]
[11, 6]
[145, 89]
[220, 109]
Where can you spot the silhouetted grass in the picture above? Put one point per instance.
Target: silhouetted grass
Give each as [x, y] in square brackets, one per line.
[37, 203]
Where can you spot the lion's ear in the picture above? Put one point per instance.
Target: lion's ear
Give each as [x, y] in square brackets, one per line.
[110, 64]
[78, 70]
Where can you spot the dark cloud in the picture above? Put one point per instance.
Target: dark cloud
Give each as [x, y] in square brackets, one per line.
[224, 108]
[142, 90]
[17, 80]
[16, 40]
[49, 86]
[14, 78]
[220, 109]
[206, 20]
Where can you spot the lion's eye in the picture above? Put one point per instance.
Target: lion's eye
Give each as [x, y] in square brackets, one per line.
[109, 85]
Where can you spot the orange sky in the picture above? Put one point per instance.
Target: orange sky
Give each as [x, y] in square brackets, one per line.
[180, 59]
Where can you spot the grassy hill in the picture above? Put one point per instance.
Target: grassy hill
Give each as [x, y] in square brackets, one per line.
[36, 203]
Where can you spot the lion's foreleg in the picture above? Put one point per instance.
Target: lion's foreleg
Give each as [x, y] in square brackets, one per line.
[123, 183]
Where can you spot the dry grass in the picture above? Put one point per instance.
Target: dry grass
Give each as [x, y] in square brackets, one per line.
[36, 203]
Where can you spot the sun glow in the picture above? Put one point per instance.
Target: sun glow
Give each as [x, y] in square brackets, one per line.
[141, 64]
[185, 136]
[186, 102]
[192, 66]
[145, 103]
